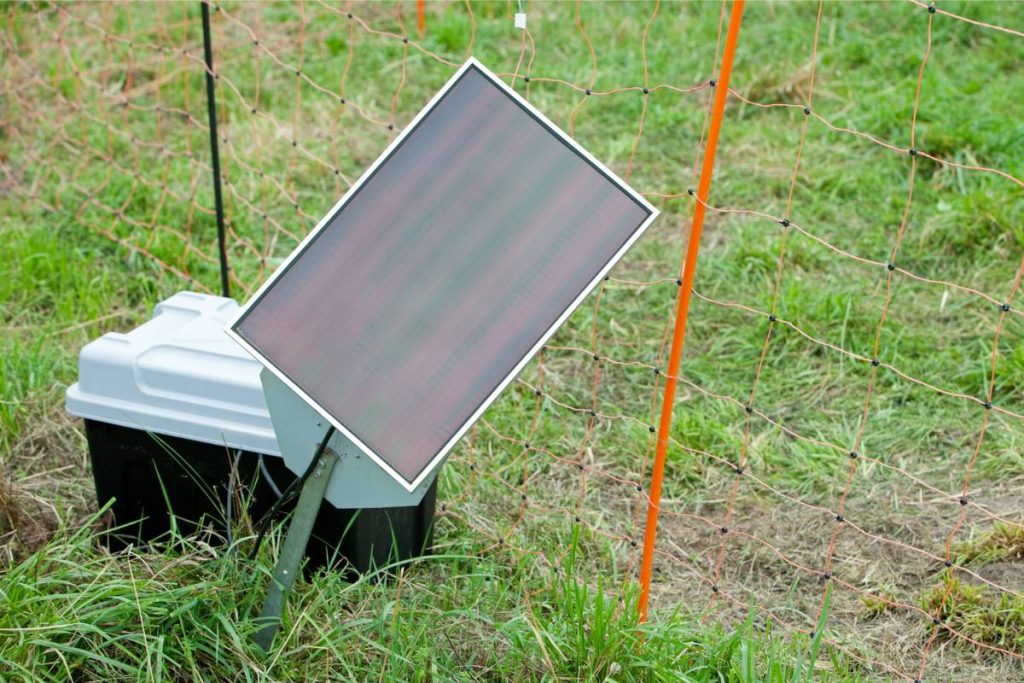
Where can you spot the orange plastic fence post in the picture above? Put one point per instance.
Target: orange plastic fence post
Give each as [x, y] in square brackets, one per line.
[683, 304]
[421, 15]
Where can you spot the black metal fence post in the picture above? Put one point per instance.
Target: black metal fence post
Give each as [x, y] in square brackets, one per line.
[211, 103]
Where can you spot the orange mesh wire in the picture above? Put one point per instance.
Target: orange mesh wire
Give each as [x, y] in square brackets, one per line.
[106, 137]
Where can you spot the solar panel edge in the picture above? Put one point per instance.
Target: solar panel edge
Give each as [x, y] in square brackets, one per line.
[233, 327]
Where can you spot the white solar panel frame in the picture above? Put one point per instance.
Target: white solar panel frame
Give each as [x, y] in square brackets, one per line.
[559, 133]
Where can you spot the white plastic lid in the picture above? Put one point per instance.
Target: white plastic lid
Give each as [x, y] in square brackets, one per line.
[180, 375]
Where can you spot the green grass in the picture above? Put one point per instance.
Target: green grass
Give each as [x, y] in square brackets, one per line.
[977, 612]
[92, 240]
[75, 612]
[1002, 542]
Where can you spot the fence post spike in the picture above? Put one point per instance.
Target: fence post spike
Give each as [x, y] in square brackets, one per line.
[683, 305]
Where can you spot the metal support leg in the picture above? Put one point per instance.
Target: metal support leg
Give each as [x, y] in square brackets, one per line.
[294, 548]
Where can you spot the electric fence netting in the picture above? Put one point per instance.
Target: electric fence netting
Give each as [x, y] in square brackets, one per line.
[845, 441]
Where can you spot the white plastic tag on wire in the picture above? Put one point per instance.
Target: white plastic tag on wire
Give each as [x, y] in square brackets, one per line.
[520, 18]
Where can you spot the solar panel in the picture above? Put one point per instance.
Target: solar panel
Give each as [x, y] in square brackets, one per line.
[441, 272]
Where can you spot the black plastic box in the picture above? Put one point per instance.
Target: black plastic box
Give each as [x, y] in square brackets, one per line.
[151, 476]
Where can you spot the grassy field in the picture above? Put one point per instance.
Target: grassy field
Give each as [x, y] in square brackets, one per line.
[106, 206]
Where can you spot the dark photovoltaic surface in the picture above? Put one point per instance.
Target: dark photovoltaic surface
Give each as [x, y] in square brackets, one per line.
[426, 289]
